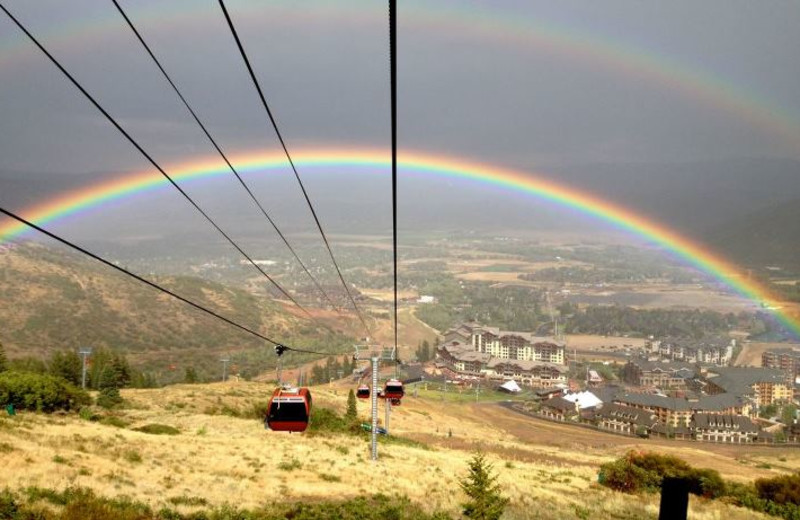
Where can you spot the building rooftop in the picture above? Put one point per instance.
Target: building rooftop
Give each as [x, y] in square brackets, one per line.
[626, 413]
[525, 365]
[739, 380]
[474, 328]
[718, 421]
[559, 403]
[655, 401]
[665, 366]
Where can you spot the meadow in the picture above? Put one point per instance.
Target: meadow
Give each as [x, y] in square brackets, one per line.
[195, 447]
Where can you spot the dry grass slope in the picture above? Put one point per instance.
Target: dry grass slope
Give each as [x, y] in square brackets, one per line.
[220, 458]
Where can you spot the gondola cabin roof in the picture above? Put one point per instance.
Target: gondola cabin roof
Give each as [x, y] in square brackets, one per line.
[393, 389]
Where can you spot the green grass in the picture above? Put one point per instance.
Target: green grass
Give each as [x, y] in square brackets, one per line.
[455, 394]
[83, 504]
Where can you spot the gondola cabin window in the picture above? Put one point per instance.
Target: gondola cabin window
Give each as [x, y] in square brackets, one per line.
[289, 410]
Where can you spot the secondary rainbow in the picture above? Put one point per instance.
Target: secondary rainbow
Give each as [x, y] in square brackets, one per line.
[597, 50]
[81, 200]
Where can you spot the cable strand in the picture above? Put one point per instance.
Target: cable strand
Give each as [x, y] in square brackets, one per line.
[149, 158]
[393, 81]
[136, 276]
[222, 154]
[291, 163]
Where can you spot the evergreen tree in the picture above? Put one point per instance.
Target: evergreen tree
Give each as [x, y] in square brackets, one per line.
[485, 501]
[122, 370]
[190, 375]
[67, 365]
[352, 412]
[3, 359]
[109, 386]
[426, 351]
[318, 374]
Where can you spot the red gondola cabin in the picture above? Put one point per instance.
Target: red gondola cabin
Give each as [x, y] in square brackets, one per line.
[289, 410]
[393, 389]
[362, 392]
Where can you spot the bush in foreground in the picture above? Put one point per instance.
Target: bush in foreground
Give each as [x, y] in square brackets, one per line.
[643, 472]
[84, 504]
[40, 392]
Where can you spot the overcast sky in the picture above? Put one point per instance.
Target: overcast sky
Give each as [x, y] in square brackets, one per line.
[528, 84]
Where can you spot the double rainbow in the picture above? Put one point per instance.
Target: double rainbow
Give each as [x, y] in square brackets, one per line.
[595, 50]
[693, 253]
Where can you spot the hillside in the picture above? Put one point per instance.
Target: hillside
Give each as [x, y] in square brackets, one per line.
[220, 455]
[59, 300]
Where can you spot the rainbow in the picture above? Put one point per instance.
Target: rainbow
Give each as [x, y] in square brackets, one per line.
[81, 200]
[593, 50]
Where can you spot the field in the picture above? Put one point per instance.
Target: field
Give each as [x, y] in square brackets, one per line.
[751, 352]
[222, 455]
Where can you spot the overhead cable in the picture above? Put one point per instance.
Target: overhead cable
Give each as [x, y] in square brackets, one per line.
[221, 153]
[139, 278]
[291, 163]
[151, 160]
[393, 95]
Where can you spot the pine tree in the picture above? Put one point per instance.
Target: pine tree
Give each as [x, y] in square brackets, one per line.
[352, 411]
[189, 375]
[485, 501]
[3, 359]
[67, 365]
[109, 386]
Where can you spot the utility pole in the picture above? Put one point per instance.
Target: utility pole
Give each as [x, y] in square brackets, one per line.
[225, 362]
[388, 413]
[84, 352]
[374, 395]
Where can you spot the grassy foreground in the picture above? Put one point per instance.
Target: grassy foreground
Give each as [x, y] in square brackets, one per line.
[195, 451]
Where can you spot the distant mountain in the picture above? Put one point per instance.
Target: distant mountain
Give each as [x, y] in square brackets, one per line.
[769, 237]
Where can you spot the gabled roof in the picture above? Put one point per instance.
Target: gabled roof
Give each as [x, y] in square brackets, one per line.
[739, 380]
[464, 352]
[559, 403]
[663, 366]
[718, 402]
[727, 422]
[583, 399]
[627, 414]
[525, 365]
[654, 401]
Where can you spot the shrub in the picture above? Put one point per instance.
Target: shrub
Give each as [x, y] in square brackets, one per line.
[158, 429]
[132, 456]
[40, 392]
[637, 472]
[188, 501]
[290, 465]
[326, 420]
[784, 489]
[328, 477]
[8, 504]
